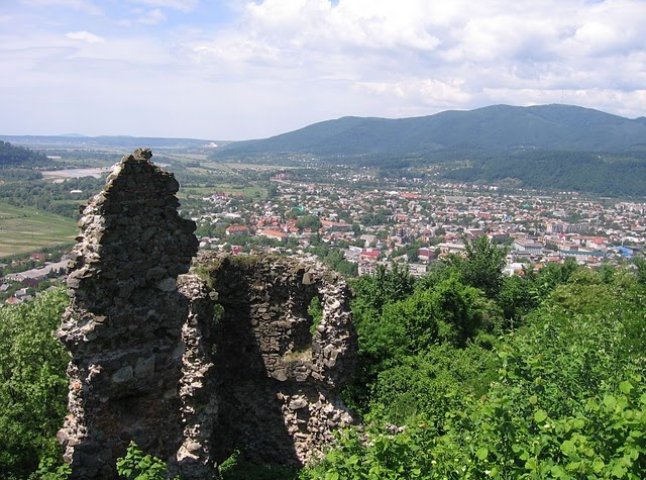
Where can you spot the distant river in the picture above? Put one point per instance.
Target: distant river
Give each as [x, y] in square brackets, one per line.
[76, 173]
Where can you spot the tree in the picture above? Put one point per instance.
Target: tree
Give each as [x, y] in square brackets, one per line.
[640, 263]
[311, 222]
[33, 385]
[482, 265]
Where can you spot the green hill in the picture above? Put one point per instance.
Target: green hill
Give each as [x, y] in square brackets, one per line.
[496, 128]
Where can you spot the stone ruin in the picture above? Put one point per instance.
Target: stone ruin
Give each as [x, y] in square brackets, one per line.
[192, 367]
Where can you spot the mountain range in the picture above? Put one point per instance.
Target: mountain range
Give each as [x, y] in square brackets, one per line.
[494, 128]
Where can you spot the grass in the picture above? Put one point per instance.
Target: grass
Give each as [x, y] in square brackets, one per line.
[27, 229]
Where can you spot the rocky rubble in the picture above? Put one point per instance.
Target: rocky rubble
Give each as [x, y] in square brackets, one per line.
[151, 362]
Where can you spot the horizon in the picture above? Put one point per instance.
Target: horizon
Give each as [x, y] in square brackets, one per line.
[243, 69]
[117, 135]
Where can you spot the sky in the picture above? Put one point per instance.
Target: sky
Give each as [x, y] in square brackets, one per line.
[240, 69]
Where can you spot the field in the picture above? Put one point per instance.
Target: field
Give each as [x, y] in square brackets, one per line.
[26, 229]
[249, 191]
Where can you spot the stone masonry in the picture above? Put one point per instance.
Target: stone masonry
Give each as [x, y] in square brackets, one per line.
[278, 374]
[193, 368]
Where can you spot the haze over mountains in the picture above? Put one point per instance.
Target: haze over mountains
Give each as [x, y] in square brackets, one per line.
[120, 142]
[558, 147]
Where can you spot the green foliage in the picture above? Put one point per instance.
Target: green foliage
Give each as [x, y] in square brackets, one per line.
[587, 171]
[562, 397]
[521, 294]
[50, 469]
[334, 258]
[432, 384]
[11, 155]
[49, 196]
[379, 217]
[33, 385]
[235, 468]
[447, 390]
[311, 222]
[400, 324]
[640, 264]
[136, 465]
[372, 292]
[482, 265]
[315, 310]
[449, 313]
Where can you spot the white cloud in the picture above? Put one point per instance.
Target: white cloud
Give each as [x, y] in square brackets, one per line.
[428, 92]
[280, 64]
[85, 36]
[152, 17]
[84, 6]
[182, 5]
[616, 101]
[316, 24]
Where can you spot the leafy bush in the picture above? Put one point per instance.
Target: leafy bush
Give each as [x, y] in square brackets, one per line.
[565, 398]
[136, 465]
[33, 385]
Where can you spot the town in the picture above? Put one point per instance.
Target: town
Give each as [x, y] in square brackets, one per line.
[357, 221]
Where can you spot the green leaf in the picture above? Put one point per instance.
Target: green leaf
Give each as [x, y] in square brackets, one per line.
[531, 464]
[625, 387]
[568, 447]
[597, 465]
[578, 423]
[540, 416]
[618, 470]
[573, 466]
[482, 453]
[610, 401]
[559, 472]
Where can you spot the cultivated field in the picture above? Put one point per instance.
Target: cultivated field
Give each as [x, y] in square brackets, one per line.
[26, 229]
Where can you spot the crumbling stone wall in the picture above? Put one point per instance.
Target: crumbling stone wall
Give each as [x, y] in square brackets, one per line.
[151, 363]
[278, 375]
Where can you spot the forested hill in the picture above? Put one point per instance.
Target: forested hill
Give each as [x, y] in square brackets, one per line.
[493, 128]
[12, 156]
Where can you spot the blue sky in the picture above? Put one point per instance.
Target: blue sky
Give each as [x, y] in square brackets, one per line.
[237, 69]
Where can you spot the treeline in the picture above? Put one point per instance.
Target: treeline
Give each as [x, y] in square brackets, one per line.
[612, 175]
[11, 155]
[463, 374]
[17, 163]
[49, 196]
